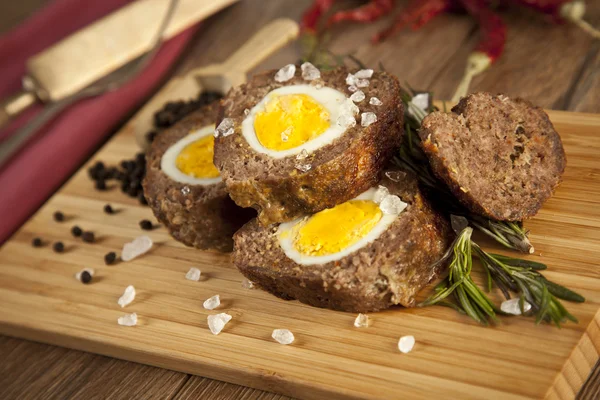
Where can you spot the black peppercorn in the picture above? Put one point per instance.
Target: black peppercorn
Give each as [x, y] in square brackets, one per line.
[110, 258]
[100, 184]
[59, 216]
[85, 277]
[37, 242]
[108, 209]
[146, 225]
[76, 231]
[58, 247]
[88, 237]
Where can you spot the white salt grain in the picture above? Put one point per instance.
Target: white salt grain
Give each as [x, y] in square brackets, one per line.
[310, 72]
[185, 190]
[392, 205]
[406, 344]
[285, 135]
[362, 83]
[285, 73]
[217, 322]
[283, 336]
[346, 121]
[357, 96]
[193, 274]
[350, 80]
[127, 297]
[136, 248]
[89, 270]
[302, 155]
[246, 111]
[361, 321]
[212, 303]
[303, 166]
[395, 176]
[367, 119]
[352, 88]
[380, 194]
[348, 107]
[512, 306]
[128, 320]
[364, 73]
[421, 101]
[225, 128]
[374, 101]
[247, 284]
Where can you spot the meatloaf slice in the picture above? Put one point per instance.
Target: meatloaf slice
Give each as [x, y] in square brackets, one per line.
[500, 157]
[339, 171]
[202, 216]
[390, 270]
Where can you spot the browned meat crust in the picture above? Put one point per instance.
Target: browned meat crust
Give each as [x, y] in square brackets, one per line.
[340, 171]
[500, 157]
[199, 216]
[391, 270]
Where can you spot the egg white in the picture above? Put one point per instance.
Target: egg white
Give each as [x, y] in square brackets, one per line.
[329, 98]
[286, 240]
[167, 162]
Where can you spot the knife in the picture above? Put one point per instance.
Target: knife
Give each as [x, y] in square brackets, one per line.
[95, 51]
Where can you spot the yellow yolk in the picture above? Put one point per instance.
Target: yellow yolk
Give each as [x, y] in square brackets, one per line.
[332, 230]
[196, 159]
[289, 121]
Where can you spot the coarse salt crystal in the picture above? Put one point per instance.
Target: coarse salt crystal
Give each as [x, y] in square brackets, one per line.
[303, 166]
[285, 135]
[374, 101]
[310, 72]
[127, 297]
[185, 190]
[364, 73]
[283, 336]
[247, 284]
[352, 88]
[246, 111]
[395, 176]
[348, 107]
[346, 121]
[128, 320]
[136, 248]
[212, 303]
[380, 194]
[362, 83]
[225, 128]
[512, 306]
[392, 205]
[361, 321]
[88, 270]
[302, 155]
[420, 101]
[350, 80]
[285, 73]
[357, 96]
[193, 274]
[406, 344]
[217, 322]
[367, 119]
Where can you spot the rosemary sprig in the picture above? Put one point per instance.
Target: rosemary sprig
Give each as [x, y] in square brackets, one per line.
[411, 156]
[510, 275]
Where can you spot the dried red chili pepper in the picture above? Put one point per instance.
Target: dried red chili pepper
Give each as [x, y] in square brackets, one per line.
[366, 13]
[415, 15]
[561, 11]
[491, 43]
[311, 16]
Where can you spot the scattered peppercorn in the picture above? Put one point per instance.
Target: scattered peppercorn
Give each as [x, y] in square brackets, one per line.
[85, 277]
[59, 216]
[37, 242]
[110, 258]
[146, 225]
[76, 231]
[101, 185]
[58, 247]
[88, 237]
[108, 209]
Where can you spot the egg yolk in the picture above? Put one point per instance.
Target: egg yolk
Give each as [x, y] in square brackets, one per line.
[289, 121]
[196, 159]
[334, 229]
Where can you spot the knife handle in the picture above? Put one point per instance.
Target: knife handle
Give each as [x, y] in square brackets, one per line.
[14, 105]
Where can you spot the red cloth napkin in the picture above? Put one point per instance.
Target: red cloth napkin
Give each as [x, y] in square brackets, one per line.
[56, 151]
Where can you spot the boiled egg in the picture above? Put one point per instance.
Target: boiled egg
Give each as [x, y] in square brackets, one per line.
[294, 118]
[190, 159]
[334, 233]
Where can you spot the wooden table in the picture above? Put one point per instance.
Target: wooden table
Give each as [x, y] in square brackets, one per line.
[554, 67]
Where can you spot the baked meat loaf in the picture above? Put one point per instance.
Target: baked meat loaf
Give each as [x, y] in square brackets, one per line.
[282, 189]
[202, 216]
[387, 271]
[500, 157]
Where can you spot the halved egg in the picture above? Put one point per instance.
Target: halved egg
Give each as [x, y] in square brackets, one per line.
[294, 118]
[190, 159]
[336, 232]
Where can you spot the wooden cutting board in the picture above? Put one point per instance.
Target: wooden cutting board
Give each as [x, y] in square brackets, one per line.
[453, 358]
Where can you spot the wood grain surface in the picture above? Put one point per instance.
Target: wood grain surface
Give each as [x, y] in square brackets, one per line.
[411, 55]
